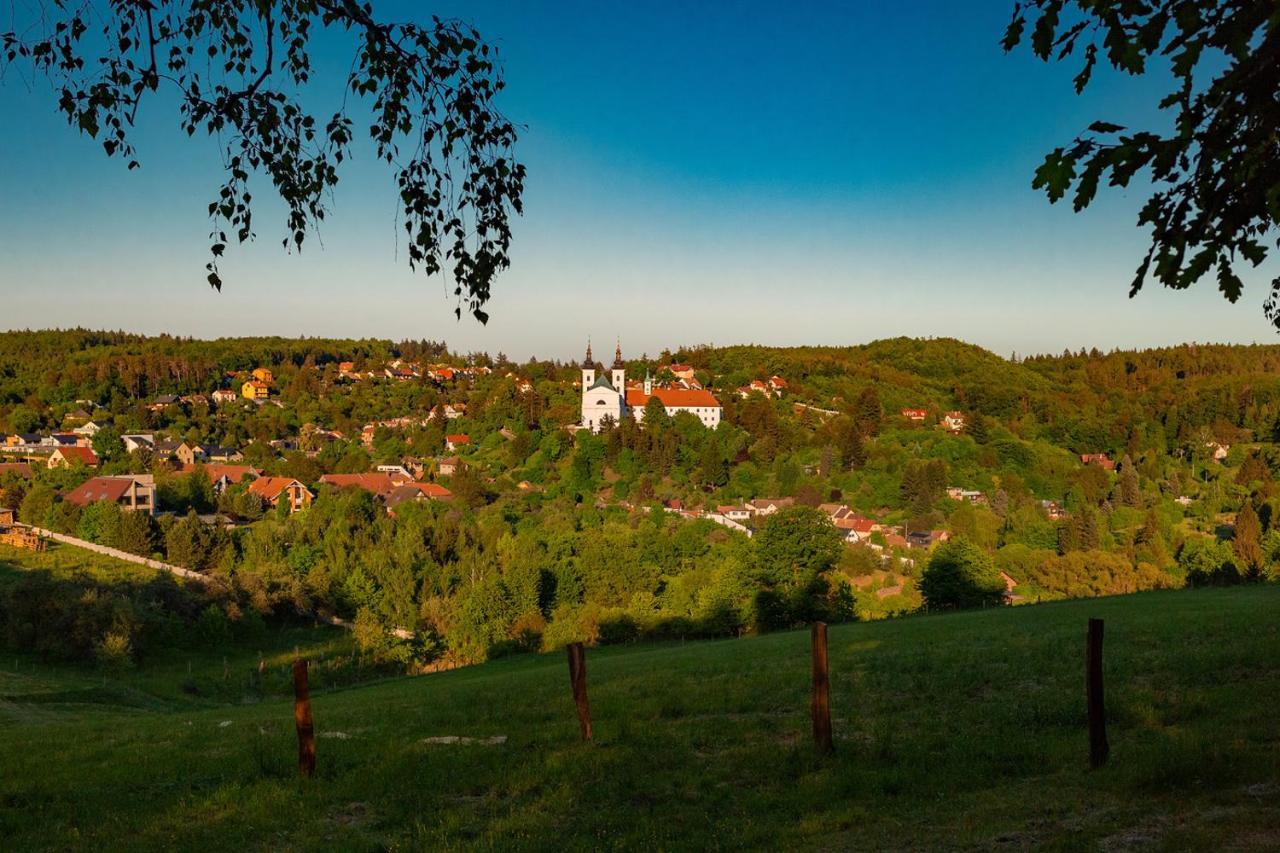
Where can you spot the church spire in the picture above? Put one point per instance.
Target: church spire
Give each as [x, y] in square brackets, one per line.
[617, 357]
[588, 361]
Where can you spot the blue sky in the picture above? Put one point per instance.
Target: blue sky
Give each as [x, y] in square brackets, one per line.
[698, 173]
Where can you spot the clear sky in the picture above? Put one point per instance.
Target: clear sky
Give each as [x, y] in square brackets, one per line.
[727, 172]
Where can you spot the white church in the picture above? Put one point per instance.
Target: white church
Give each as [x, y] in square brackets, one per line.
[608, 396]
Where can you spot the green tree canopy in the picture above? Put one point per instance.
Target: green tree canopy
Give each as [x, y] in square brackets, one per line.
[961, 575]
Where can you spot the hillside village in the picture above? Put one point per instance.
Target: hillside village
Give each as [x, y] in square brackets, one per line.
[182, 449]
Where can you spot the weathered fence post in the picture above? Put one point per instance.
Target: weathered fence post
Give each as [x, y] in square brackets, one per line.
[578, 680]
[820, 700]
[302, 720]
[1099, 750]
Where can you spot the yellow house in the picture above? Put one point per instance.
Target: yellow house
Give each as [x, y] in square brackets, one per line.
[255, 390]
[262, 374]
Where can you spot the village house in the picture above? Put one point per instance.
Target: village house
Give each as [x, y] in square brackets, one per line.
[458, 440]
[397, 473]
[19, 469]
[67, 457]
[1053, 510]
[768, 506]
[1218, 451]
[133, 493]
[223, 476]
[166, 449]
[915, 414]
[971, 496]
[63, 439]
[756, 386]
[1100, 460]
[274, 490]
[681, 371]
[138, 441]
[263, 374]
[223, 396]
[21, 439]
[378, 482]
[453, 411]
[90, 428]
[952, 422]
[255, 389]
[737, 512]
[778, 384]
[164, 401]
[448, 466]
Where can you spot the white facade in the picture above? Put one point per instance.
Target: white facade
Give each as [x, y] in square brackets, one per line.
[608, 397]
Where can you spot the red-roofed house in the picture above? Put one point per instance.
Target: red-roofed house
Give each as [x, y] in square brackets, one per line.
[132, 493]
[1099, 459]
[272, 490]
[379, 482]
[701, 404]
[65, 457]
[915, 414]
[22, 469]
[455, 441]
[224, 475]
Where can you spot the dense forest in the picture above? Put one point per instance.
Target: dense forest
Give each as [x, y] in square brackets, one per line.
[1078, 474]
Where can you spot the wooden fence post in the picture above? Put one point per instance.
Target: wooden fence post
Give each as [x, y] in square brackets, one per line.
[820, 700]
[1099, 750]
[578, 680]
[302, 720]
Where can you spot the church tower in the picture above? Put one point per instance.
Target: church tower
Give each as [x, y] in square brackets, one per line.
[588, 369]
[619, 372]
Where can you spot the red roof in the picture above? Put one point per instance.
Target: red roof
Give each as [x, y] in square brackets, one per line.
[672, 398]
[431, 490]
[99, 489]
[216, 471]
[271, 487]
[22, 469]
[81, 454]
[459, 438]
[377, 482]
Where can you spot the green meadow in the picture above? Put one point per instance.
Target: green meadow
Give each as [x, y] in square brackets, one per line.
[952, 731]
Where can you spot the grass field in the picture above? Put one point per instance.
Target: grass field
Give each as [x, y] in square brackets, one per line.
[952, 731]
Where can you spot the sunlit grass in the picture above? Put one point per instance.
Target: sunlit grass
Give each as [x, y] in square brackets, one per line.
[963, 730]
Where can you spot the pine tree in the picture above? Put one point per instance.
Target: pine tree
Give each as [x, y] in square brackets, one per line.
[1130, 489]
[1247, 542]
[1090, 539]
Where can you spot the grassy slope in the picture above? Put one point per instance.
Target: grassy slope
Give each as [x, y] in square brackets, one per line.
[960, 730]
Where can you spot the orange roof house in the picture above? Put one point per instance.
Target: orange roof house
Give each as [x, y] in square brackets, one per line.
[453, 442]
[65, 457]
[380, 483]
[262, 374]
[272, 490]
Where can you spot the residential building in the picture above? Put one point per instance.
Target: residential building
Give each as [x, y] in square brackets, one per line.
[138, 441]
[915, 414]
[66, 457]
[223, 396]
[255, 389]
[953, 422]
[274, 490]
[263, 374]
[134, 493]
[458, 440]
